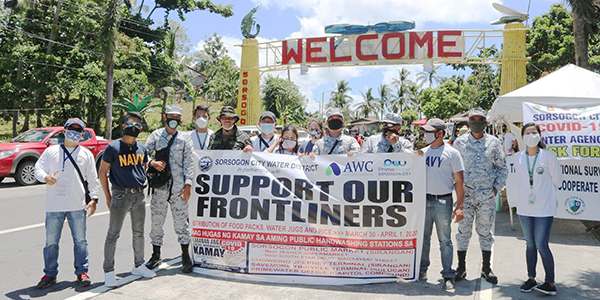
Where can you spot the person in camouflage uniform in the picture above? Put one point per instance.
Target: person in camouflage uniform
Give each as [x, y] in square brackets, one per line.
[485, 175]
[336, 142]
[229, 137]
[390, 139]
[177, 191]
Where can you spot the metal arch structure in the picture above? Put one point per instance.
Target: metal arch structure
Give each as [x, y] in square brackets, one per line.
[398, 48]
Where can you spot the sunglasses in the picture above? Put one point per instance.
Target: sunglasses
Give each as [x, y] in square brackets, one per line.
[388, 125]
[132, 124]
[78, 129]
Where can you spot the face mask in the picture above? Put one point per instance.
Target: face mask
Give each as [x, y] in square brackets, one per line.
[267, 128]
[386, 130]
[335, 124]
[315, 133]
[532, 139]
[173, 123]
[477, 127]
[201, 122]
[289, 144]
[228, 128]
[73, 136]
[131, 131]
[430, 137]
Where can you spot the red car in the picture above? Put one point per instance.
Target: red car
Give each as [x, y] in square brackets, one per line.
[18, 157]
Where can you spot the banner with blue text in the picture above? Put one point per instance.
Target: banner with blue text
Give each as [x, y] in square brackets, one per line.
[331, 220]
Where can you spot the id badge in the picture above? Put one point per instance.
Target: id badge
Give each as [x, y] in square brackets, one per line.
[61, 188]
[531, 198]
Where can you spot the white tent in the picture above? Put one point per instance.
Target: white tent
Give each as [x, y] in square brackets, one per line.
[570, 85]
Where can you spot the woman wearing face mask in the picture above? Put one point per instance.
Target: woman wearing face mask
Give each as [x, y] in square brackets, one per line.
[539, 176]
[315, 129]
[287, 143]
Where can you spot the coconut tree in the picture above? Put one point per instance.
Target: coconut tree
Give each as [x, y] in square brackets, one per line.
[585, 18]
[385, 96]
[429, 76]
[110, 29]
[369, 106]
[340, 97]
[402, 84]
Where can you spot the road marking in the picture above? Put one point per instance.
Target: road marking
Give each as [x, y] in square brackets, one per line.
[44, 224]
[484, 289]
[121, 282]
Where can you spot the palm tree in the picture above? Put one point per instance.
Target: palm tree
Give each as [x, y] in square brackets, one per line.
[402, 84]
[584, 24]
[368, 107]
[429, 76]
[339, 97]
[413, 98]
[384, 98]
[110, 28]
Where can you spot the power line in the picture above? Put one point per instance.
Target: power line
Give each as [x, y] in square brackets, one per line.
[63, 26]
[51, 41]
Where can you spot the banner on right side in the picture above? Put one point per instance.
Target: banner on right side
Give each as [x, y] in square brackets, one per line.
[573, 135]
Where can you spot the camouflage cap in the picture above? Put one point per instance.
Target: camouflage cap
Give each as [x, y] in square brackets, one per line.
[335, 112]
[174, 109]
[228, 111]
[392, 118]
[477, 111]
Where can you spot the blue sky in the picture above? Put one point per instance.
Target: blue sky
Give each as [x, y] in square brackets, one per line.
[282, 19]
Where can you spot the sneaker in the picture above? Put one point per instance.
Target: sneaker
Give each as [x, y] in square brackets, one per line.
[423, 276]
[109, 280]
[83, 279]
[143, 271]
[547, 289]
[528, 286]
[45, 282]
[448, 284]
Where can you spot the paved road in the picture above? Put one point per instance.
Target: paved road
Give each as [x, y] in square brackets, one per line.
[576, 254]
[22, 263]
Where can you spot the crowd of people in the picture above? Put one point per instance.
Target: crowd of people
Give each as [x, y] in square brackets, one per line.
[473, 168]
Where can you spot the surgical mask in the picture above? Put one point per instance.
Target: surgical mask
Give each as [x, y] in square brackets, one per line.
[131, 131]
[173, 123]
[477, 127]
[532, 139]
[201, 122]
[73, 136]
[289, 144]
[228, 128]
[315, 133]
[267, 128]
[430, 137]
[335, 124]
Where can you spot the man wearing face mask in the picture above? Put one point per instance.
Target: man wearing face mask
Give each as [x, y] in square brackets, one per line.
[66, 199]
[444, 174]
[485, 175]
[126, 159]
[335, 142]
[201, 135]
[176, 191]
[229, 137]
[390, 139]
[267, 136]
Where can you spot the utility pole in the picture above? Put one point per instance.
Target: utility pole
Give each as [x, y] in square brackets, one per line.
[54, 27]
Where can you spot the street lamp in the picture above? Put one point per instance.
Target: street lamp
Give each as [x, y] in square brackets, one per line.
[323, 101]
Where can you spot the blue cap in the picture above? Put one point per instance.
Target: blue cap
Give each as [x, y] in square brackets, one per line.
[72, 121]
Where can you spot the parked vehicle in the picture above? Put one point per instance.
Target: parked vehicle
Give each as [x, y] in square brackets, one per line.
[18, 157]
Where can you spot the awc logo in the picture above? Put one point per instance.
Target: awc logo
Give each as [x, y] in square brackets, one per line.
[333, 169]
[397, 163]
[350, 167]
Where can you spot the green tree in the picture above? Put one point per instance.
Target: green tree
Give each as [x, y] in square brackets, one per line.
[586, 15]
[369, 107]
[340, 98]
[444, 101]
[281, 97]
[401, 99]
[482, 86]
[385, 97]
[409, 116]
[430, 77]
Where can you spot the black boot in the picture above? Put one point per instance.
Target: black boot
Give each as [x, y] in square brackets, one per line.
[155, 259]
[461, 271]
[486, 269]
[186, 262]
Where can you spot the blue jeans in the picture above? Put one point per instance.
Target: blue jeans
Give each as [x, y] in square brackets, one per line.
[537, 233]
[54, 225]
[438, 212]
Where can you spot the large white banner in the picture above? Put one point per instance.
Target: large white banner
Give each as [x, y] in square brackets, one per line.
[332, 220]
[573, 134]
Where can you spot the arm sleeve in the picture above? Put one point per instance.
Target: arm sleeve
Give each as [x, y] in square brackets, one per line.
[555, 170]
[500, 168]
[457, 162]
[92, 177]
[41, 167]
[188, 162]
[355, 146]
[151, 143]
[317, 148]
[366, 147]
[108, 155]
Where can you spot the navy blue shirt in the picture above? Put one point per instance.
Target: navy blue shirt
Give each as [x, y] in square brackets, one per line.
[127, 164]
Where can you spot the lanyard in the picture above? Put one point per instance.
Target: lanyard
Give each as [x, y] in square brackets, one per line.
[202, 144]
[530, 169]
[65, 157]
[266, 144]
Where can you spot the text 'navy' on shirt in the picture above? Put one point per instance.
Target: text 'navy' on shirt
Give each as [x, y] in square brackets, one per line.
[127, 164]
